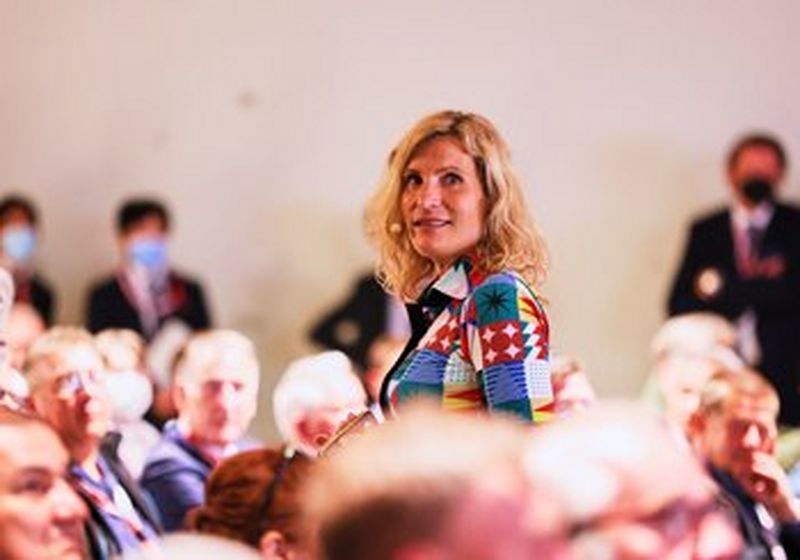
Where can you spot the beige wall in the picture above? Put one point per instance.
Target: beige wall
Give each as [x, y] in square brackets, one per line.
[264, 124]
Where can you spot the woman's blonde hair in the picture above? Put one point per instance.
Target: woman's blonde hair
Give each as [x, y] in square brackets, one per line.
[511, 240]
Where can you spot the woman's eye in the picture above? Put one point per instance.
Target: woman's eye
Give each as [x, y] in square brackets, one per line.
[451, 179]
[412, 179]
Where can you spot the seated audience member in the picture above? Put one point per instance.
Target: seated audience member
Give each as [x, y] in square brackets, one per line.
[617, 486]
[254, 497]
[428, 486]
[66, 384]
[734, 431]
[19, 223]
[24, 325]
[313, 397]
[572, 390]
[41, 517]
[215, 391]
[131, 395]
[687, 350]
[145, 293]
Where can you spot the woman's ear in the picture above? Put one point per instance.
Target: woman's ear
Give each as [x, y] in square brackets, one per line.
[273, 546]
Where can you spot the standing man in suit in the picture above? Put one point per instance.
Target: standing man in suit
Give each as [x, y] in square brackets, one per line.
[19, 236]
[145, 292]
[743, 262]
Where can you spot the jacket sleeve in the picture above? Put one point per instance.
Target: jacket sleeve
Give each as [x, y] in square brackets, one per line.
[508, 345]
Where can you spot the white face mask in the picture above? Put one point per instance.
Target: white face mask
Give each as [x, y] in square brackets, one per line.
[131, 395]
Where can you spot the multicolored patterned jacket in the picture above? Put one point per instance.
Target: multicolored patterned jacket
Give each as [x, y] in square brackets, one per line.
[479, 342]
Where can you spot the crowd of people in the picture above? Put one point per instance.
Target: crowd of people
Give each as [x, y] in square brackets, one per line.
[459, 437]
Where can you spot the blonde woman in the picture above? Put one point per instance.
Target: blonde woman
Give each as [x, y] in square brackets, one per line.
[456, 240]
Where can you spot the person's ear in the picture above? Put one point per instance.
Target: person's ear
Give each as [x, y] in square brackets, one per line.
[273, 546]
[696, 425]
[308, 433]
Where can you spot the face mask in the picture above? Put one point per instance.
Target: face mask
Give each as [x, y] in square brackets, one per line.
[131, 395]
[148, 253]
[19, 243]
[757, 190]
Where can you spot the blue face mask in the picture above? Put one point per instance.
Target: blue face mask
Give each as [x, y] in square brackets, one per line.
[19, 243]
[148, 253]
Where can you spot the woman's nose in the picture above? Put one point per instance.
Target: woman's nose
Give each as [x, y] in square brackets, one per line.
[430, 194]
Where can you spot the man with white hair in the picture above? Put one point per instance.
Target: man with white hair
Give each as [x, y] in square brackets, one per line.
[314, 396]
[215, 390]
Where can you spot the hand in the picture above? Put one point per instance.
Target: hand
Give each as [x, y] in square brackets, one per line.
[766, 482]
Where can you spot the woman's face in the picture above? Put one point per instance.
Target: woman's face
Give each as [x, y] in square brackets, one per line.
[442, 201]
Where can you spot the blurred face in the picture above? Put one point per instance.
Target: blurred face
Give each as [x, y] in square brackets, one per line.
[664, 508]
[144, 244]
[40, 515]
[17, 238]
[72, 396]
[316, 425]
[681, 382]
[690, 527]
[442, 201]
[15, 217]
[23, 326]
[218, 405]
[493, 523]
[573, 394]
[733, 438]
[755, 162]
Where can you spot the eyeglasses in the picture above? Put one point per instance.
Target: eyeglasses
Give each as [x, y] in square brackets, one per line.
[11, 400]
[70, 382]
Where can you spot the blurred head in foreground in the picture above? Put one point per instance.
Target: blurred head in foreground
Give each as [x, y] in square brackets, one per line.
[621, 488]
[191, 546]
[428, 486]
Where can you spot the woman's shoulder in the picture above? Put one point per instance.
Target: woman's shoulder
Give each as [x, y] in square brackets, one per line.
[503, 280]
[505, 295]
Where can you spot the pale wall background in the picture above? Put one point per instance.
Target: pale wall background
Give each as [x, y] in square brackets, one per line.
[264, 125]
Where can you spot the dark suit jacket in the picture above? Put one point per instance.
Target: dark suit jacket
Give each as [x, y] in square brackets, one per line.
[365, 310]
[37, 292]
[758, 540]
[175, 476]
[109, 307]
[101, 543]
[776, 302]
